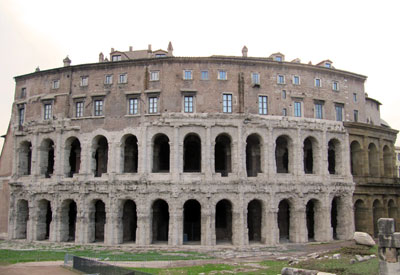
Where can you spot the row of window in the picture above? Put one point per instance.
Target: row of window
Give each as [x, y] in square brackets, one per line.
[188, 107]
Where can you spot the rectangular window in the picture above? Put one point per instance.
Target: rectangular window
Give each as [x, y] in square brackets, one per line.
[317, 82]
[116, 58]
[284, 112]
[204, 75]
[188, 104]
[108, 79]
[187, 75]
[154, 75]
[153, 105]
[339, 112]
[262, 105]
[318, 110]
[297, 109]
[283, 94]
[296, 80]
[355, 97]
[278, 58]
[84, 81]
[98, 107]
[398, 157]
[281, 79]
[356, 115]
[255, 78]
[23, 93]
[79, 109]
[123, 78]
[55, 84]
[133, 106]
[335, 86]
[222, 75]
[48, 111]
[227, 103]
[21, 115]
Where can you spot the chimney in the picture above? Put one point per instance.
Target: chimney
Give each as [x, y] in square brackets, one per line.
[101, 57]
[67, 61]
[244, 51]
[170, 49]
[130, 48]
[37, 69]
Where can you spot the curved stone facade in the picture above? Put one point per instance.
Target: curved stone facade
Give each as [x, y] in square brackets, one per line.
[174, 150]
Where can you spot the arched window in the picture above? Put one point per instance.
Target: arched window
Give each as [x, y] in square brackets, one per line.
[253, 155]
[356, 158]
[222, 155]
[191, 221]
[130, 154]
[373, 160]
[25, 158]
[282, 154]
[100, 150]
[192, 153]
[160, 221]
[334, 157]
[47, 158]
[72, 156]
[161, 153]
[223, 221]
[254, 220]
[387, 161]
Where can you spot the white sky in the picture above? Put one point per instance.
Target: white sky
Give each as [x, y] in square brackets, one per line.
[358, 36]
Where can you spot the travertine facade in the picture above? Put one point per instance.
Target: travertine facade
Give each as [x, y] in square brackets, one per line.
[151, 148]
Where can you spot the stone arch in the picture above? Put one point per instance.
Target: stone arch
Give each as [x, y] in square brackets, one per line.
[25, 158]
[313, 219]
[373, 160]
[334, 156]
[223, 154]
[44, 219]
[338, 218]
[192, 153]
[361, 216]
[99, 155]
[284, 217]
[377, 213]
[46, 153]
[72, 155]
[22, 217]
[160, 221]
[310, 155]
[223, 221]
[97, 220]
[253, 155]
[129, 153]
[191, 221]
[254, 220]
[392, 210]
[129, 221]
[68, 216]
[387, 161]
[356, 158]
[161, 154]
[283, 154]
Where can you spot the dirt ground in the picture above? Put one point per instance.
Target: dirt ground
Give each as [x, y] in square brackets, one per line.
[25, 269]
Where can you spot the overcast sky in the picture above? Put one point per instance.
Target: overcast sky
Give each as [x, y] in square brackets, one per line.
[358, 36]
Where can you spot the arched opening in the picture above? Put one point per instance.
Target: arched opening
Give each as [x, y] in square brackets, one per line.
[334, 157]
[355, 158]
[373, 160]
[223, 221]
[191, 221]
[334, 217]
[284, 221]
[47, 158]
[100, 149]
[160, 221]
[130, 156]
[253, 155]
[192, 153]
[310, 216]
[44, 218]
[161, 154]
[129, 221]
[99, 221]
[68, 221]
[22, 219]
[222, 154]
[361, 215]
[282, 154]
[254, 220]
[25, 158]
[378, 212]
[392, 210]
[387, 161]
[309, 155]
[73, 156]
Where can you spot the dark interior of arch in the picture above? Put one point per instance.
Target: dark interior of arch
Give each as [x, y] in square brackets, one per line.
[75, 157]
[253, 156]
[284, 220]
[22, 219]
[71, 221]
[361, 214]
[334, 218]
[223, 155]
[310, 211]
[254, 220]
[223, 221]
[355, 158]
[130, 155]
[160, 222]
[282, 155]
[100, 220]
[378, 212]
[25, 158]
[192, 221]
[50, 158]
[308, 156]
[101, 156]
[129, 221]
[331, 157]
[161, 153]
[192, 154]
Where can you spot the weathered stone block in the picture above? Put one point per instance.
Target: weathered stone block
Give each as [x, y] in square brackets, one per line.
[363, 238]
[385, 226]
